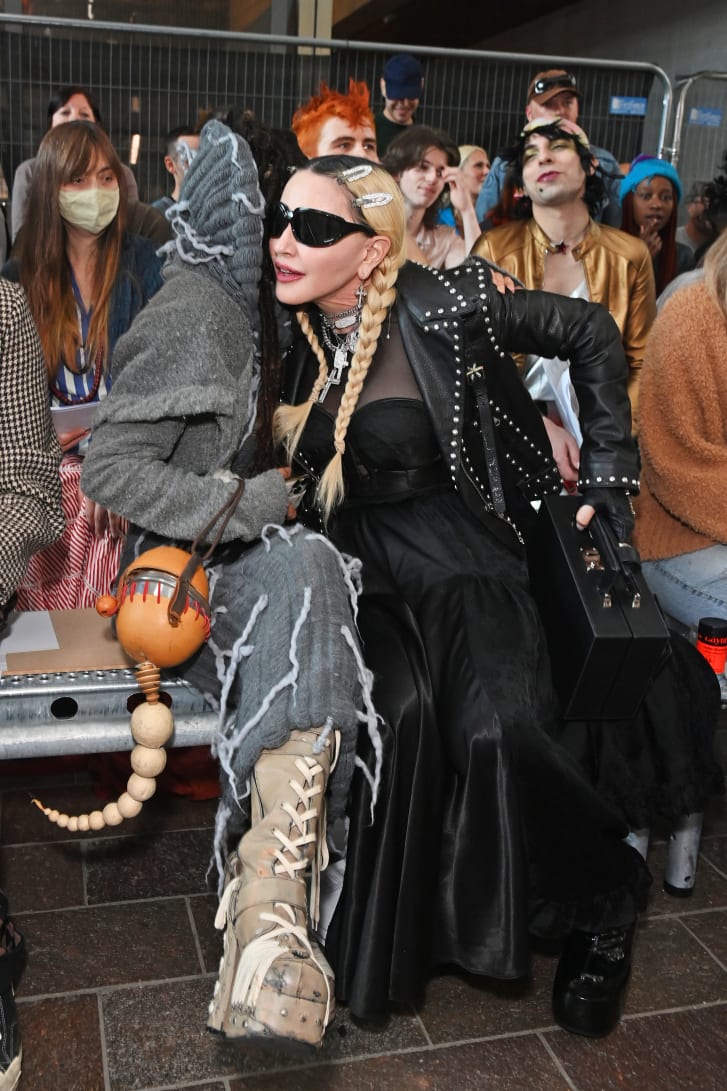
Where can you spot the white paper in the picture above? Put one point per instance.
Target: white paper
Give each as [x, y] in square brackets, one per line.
[28, 631]
[68, 418]
[565, 396]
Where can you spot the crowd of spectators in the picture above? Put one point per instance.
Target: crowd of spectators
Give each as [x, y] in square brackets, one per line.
[162, 319]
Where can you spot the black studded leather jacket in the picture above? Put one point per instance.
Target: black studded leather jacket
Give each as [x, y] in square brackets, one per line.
[457, 329]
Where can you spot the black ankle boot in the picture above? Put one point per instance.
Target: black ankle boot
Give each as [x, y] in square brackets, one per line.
[590, 981]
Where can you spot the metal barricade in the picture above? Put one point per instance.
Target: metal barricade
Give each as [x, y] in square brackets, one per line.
[151, 79]
[699, 126]
[87, 712]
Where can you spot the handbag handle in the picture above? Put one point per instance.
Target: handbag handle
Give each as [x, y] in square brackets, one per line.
[181, 589]
[617, 558]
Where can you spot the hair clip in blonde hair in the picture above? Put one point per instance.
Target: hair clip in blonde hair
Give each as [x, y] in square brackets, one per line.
[353, 174]
[372, 200]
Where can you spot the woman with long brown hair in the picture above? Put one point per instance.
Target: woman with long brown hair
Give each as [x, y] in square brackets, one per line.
[85, 279]
[69, 103]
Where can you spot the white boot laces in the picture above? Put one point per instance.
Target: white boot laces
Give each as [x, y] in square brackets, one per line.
[260, 954]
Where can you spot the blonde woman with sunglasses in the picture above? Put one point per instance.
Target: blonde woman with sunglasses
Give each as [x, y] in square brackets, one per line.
[483, 832]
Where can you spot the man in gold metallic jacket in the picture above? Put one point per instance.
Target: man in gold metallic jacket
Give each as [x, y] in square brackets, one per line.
[557, 246]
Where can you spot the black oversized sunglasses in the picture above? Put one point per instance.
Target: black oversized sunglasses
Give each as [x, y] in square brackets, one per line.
[547, 83]
[311, 227]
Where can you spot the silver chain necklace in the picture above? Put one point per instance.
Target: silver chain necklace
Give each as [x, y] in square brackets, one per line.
[342, 347]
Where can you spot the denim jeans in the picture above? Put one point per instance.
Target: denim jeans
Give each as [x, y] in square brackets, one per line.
[692, 585]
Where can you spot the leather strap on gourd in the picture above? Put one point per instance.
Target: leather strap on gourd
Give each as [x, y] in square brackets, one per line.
[181, 589]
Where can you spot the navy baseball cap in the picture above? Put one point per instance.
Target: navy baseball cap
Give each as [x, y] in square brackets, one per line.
[403, 76]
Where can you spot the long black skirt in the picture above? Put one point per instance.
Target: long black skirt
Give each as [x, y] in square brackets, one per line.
[484, 830]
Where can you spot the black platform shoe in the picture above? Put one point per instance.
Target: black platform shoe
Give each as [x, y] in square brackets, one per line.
[590, 981]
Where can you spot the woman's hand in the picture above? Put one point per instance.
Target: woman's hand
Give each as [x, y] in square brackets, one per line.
[459, 194]
[286, 473]
[69, 440]
[652, 238]
[565, 451]
[461, 199]
[615, 504]
[100, 519]
[501, 282]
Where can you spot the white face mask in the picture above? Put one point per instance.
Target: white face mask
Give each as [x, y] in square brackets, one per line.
[92, 209]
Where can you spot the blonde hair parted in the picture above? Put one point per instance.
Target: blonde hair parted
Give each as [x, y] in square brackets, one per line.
[388, 220]
[715, 271]
[465, 151]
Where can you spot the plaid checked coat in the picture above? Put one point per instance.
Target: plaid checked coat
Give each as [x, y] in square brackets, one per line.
[30, 489]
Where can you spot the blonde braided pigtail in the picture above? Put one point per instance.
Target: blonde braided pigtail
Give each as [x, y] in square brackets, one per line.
[377, 202]
[290, 420]
[379, 300]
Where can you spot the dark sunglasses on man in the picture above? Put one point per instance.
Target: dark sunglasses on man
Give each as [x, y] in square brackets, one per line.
[311, 227]
[547, 83]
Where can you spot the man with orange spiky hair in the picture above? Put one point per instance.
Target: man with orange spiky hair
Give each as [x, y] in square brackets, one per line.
[332, 123]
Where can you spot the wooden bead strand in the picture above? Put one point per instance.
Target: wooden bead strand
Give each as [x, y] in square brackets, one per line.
[152, 725]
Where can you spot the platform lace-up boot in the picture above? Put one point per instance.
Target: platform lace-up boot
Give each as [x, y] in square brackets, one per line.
[274, 981]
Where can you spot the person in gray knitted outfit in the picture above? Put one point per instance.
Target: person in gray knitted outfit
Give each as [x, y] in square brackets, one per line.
[170, 444]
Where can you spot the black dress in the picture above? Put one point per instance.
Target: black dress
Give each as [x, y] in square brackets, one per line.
[484, 829]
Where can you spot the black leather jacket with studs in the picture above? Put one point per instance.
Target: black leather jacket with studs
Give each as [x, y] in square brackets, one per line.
[457, 329]
[455, 320]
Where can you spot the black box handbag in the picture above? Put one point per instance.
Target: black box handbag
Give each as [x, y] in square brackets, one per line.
[606, 633]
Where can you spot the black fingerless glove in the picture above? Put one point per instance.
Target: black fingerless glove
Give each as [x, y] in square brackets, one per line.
[616, 506]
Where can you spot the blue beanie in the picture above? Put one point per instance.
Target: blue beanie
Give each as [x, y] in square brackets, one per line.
[646, 166]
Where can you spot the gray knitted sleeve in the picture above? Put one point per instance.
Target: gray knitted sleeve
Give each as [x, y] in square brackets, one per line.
[176, 417]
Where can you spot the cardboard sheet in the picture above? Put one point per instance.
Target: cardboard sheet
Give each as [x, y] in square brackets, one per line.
[84, 641]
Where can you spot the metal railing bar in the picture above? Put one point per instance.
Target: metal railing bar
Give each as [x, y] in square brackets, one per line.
[681, 90]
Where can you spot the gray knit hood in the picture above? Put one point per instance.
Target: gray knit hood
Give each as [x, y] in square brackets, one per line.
[218, 220]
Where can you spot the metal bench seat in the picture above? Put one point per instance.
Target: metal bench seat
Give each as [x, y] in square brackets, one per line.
[77, 698]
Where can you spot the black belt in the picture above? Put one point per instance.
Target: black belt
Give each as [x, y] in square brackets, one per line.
[385, 484]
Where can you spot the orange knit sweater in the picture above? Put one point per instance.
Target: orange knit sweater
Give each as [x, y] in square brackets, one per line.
[683, 429]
